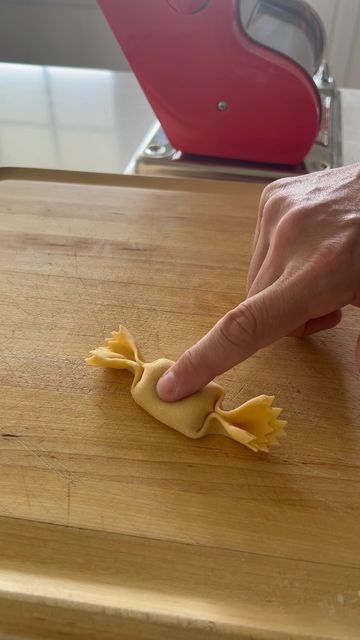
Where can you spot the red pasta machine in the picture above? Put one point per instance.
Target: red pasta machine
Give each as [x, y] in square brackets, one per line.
[238, 86]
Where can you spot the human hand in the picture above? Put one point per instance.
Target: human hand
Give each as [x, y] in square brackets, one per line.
[305, 267]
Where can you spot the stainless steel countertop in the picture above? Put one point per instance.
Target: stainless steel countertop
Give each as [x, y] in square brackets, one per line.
[93, 120]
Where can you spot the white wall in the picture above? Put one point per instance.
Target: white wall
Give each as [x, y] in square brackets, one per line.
[57, 32]
[74, 33]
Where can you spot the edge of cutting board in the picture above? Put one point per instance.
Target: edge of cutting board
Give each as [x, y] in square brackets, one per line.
[64, 582]
[123, 180]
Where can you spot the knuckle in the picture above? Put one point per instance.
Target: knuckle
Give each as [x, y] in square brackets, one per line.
[271, 209]
[239, 325]
[292, 223]
[266, 197]
[189, 363]
[276, 186]
[267, 191]
[301, 213]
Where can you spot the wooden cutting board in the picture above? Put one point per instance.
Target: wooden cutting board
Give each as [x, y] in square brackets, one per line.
[114, 526]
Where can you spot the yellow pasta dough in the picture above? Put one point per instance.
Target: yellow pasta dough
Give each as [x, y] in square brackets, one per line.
[255, 423]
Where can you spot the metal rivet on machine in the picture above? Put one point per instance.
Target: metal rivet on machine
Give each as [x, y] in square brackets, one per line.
[222, 105]
[155, 150]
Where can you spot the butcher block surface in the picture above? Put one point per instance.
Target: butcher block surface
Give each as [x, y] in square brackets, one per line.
[113, 525]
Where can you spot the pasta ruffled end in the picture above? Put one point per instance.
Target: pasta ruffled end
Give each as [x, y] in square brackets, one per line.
[120, 352]
[255, 424]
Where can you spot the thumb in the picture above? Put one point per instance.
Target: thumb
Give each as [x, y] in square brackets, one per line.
[257, 322]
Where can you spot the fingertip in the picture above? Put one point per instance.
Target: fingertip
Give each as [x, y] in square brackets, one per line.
[167, 387]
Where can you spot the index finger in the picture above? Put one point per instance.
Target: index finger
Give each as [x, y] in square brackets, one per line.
[254, 324]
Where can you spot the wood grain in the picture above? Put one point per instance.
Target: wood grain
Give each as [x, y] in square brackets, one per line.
[113, 525]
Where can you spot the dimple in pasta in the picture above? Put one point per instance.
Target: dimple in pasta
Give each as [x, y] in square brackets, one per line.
[255, 423]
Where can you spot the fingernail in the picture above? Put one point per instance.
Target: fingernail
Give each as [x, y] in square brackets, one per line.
[166, 386]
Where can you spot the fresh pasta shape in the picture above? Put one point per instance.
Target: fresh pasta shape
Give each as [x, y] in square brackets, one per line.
[255, 423]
